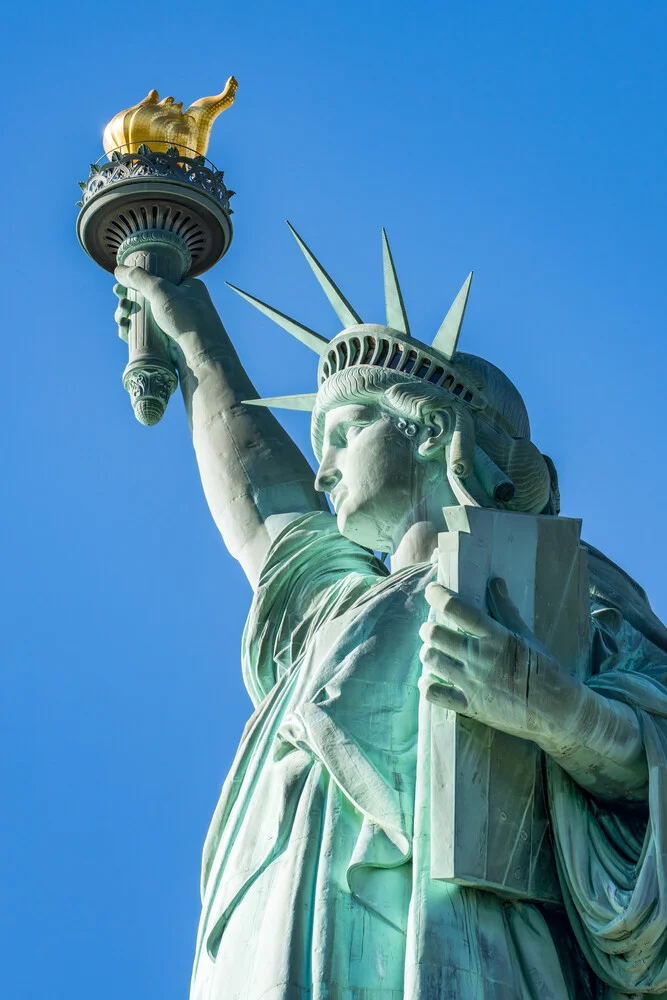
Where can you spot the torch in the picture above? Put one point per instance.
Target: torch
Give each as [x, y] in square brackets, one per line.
[156, 202]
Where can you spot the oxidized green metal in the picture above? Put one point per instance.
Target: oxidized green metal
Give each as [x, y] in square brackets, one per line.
[453, 781]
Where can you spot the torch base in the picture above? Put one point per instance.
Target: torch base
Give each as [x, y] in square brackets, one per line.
[150, 387]
[155, 191]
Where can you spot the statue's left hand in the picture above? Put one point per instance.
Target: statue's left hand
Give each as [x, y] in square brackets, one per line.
[492, 669]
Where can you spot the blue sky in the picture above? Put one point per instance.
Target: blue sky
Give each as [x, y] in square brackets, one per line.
[525, 141]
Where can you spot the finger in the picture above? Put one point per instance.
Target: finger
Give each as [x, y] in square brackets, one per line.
[122, 313]
[450, 641]
[141, 281]
[503, 608]
[457, 613]
[437, 595]
[119, 290]
[123, 310]
[444, 695]
[445, 667]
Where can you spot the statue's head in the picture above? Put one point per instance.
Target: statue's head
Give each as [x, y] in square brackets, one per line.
[396, 422]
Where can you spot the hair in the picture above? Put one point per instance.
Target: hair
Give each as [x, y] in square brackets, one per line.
[494, 442]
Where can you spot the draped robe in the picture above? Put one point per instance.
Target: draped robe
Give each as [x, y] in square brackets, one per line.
[315, 880]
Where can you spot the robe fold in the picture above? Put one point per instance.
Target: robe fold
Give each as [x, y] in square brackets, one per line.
[315, 879]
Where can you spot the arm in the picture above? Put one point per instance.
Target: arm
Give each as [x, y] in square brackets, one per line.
[498, 674]
[255, 478]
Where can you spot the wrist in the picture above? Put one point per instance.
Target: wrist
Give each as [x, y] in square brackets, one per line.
[571, 717]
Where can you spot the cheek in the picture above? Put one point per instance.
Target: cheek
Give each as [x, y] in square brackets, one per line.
[366, 468]
[404, 483]
[395, 465]
[379, 476]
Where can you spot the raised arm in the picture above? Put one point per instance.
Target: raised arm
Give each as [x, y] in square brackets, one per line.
[255, 478]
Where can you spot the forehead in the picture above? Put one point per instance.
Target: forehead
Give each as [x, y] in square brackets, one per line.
[348, 414]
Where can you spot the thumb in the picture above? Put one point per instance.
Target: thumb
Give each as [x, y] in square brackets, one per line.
[503, 609]
[141, 281]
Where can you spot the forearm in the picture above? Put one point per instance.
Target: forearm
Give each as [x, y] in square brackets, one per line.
[598, 742]
[251, 470]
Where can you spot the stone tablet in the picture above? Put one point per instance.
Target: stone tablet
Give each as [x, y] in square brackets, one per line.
[489, 816]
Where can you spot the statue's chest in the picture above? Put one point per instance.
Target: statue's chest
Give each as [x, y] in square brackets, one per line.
[362, 667]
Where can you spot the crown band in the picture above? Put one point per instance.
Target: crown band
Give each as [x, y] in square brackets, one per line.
[349, 350]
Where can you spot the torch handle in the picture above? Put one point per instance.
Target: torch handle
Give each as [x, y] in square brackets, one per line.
[150, 376]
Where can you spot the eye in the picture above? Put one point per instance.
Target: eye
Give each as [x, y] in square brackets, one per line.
[342, 435]
[346, 432]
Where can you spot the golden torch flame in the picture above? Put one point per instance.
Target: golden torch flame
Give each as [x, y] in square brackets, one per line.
[162, 123]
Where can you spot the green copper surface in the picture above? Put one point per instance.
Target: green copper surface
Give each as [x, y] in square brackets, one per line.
[452, 785]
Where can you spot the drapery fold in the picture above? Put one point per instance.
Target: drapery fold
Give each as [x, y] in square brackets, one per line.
[613, 861]
[318, 853]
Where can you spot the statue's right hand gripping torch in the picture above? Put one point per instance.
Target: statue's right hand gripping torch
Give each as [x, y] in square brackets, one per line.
[156, 203]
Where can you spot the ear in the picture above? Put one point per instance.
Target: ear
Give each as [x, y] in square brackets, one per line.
[435, 435]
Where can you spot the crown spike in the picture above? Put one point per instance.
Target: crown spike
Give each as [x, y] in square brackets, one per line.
[342, 307]
[447, 336]
[303, 401]
[308, 337]
[397, 318]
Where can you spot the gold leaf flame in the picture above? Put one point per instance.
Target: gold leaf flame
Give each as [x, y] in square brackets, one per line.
[162, 123]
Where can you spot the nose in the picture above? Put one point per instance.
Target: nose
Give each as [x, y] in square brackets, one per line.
[327, 478]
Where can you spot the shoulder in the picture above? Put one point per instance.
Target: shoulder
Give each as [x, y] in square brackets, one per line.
[313, 542]
[310, 566]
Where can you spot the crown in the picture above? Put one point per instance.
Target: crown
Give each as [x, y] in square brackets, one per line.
[162, 124]
[390, 347]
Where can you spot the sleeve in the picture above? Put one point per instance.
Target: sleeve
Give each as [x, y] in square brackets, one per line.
[311, 574]
[612, 862]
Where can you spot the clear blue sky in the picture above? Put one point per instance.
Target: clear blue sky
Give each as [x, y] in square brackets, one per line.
[524, 140]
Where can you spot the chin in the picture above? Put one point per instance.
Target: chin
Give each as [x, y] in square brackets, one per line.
[362, 529]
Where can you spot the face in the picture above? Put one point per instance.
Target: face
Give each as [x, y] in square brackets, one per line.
[370, 469]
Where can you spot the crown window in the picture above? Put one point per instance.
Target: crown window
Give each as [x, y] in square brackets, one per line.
[411, 362]
[370, 349]
[396, 357]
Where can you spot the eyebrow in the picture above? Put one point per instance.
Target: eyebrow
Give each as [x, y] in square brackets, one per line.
[368, 412]
[358, 418]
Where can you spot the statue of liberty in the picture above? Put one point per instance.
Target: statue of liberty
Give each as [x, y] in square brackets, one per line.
[316, 881]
